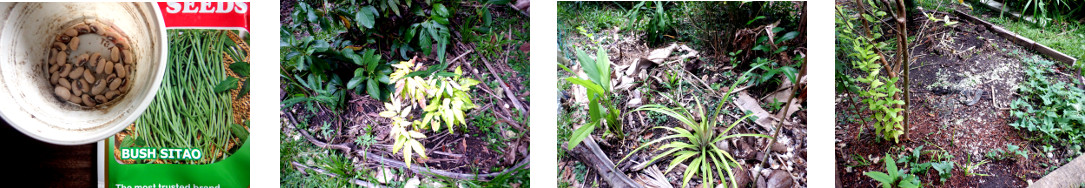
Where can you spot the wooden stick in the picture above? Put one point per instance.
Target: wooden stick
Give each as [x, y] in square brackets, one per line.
[902, 37]
[591, 155]
[781, 118]
[508, 92]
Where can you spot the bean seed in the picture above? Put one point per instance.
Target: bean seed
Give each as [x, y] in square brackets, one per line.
[121, 71]
[63, 38]
[98, 88]
[87, 101]
[108, 67]
[60, 46]
[116, 83]
[66, 70]
[76, 73]
[62, 57]
[84, 85]
[95, 56]
[71, 32]
[82, 28]
[124, 85]
[97, 28]
[76, 90]
[53, 78]
[74, 44]
[62, 92]
[109, 34]
[81, 59]
[54, 68]
[88, 76]
[76, 99]
[128, 58]
[115, 54]
[65, 83]
[99, 66]
[111, 94]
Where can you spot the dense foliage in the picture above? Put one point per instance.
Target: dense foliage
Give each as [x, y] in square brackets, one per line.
[880, 92]
[1049, 107]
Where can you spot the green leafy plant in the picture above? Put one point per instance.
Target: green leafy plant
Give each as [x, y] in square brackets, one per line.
[913, 161]
[945, 170]
[773, 44]
[697, 143]
[336, 164]
[601, 110]
[448, 96]
[366, 139]
[1052, 109]
[881, 92]
[892, 177]
[1016, 151]
[970, 169]
[448, 101]
[371, 73]
[659, 24]
[433, 30]
[326, 130]
[770, 69]
[1010, 152]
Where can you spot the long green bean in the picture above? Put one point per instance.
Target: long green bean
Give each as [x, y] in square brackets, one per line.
[187, 113]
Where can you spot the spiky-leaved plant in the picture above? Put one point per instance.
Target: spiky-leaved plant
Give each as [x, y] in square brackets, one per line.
[696, 144]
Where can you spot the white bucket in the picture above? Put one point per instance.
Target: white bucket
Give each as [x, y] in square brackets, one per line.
[27, 100]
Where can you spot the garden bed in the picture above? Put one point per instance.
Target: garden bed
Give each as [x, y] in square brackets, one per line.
[963, 79]
[675, 75]
[489, 146]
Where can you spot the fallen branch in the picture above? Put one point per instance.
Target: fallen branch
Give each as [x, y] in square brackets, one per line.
[461, 55]
[504, 118]
[358, 182]
[508, 92]
[779, 124]
[588, 151]
[418, 169]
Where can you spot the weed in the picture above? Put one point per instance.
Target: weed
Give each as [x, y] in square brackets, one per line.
[970, 168]
[601, 110]
[913, 161]
[894, 177]
[945, 170]
[486, 123]
[699, 144]
[1050, 108]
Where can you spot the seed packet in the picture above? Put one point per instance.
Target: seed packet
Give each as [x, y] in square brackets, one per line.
[195, 131]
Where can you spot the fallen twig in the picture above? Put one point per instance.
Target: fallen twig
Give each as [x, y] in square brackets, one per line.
[508, 92]
[461, 55]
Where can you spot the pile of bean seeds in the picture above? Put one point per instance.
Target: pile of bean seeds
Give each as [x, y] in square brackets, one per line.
[90, 79]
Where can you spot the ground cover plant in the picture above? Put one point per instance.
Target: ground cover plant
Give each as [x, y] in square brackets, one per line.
[988, 111]
[404, 93]
[650, 94]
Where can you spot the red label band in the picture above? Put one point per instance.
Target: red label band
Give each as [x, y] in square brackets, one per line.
[205, 15]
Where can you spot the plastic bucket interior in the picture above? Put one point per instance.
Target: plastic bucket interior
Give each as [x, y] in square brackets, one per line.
[27, 100]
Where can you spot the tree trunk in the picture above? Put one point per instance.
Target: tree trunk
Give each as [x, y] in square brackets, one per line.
[902, 38]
